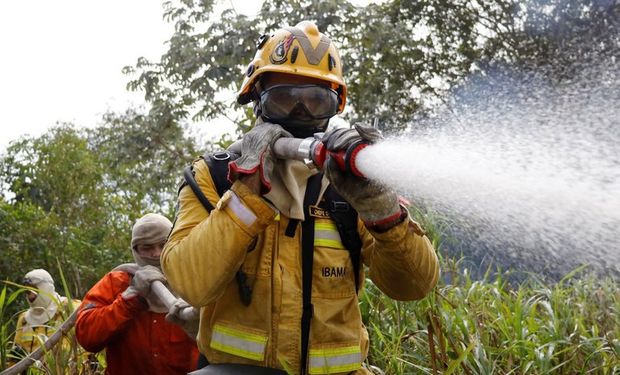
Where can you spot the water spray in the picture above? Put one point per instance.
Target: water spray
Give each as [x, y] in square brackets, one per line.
[312, 151]
[521, 171]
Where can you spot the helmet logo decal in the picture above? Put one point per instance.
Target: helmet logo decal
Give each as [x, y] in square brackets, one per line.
[279, 53]
[313, 55]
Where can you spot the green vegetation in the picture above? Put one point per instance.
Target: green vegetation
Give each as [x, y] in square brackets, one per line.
[66, 357]
[491, 327]
[69, 196]
[472, 327]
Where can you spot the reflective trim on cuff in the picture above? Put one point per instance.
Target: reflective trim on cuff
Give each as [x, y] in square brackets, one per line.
[238, 208]
[336, 360]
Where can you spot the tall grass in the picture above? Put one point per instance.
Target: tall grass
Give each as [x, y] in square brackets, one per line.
[7, 323]
[491, 327]
[67, 357]
[468, 326]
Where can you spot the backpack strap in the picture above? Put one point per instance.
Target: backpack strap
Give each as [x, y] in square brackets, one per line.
[190, 179]
[313, 189]
[218, 166]
[345, 218]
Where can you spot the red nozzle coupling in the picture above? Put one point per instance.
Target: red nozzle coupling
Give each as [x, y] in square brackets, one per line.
[346, 159]
[319, 154]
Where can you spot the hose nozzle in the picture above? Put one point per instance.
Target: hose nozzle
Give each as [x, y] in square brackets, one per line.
[312, 150]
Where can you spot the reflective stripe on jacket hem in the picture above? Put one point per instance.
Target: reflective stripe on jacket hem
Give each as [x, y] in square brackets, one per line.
[239, 342]
[335, 360]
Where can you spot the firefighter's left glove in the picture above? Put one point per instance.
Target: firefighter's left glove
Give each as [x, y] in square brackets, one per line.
[256, 154]
[188, 323]
[141, 282]
[377, 205]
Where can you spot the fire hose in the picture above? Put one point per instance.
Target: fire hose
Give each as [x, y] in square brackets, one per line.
[164, 295]
[162, 292]
[37, 354]
[309, 150]
[314, 153]
[187, 314]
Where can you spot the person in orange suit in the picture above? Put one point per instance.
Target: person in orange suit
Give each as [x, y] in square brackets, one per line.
[121, 315]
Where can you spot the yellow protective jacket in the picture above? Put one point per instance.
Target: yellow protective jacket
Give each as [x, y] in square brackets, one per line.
[29, 338]
[205, 251]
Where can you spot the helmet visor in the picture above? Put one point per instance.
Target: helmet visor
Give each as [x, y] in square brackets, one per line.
[281, 102]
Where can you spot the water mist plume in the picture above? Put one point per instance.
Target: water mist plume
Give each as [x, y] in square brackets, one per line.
[529, 167]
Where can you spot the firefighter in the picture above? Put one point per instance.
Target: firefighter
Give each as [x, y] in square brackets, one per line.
[47, 311]
[275, 264]
[122, 315]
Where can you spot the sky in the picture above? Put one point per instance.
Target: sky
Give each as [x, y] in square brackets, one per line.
[62, 60]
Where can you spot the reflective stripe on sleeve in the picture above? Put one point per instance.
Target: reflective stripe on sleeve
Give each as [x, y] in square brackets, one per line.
[243, 213]
[336, 360]
[326, 234]
[237, 342]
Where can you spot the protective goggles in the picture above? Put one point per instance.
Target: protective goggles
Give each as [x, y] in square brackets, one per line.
[280, 102]
[28, 282]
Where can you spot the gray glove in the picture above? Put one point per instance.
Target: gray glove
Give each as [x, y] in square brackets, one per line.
[190, 326]
[376, 204]
[341, 138]
[141, 282]
[256, 155]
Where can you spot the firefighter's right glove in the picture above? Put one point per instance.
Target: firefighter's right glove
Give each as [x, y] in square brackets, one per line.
[141, 282]
[377, 205]
[190, 324]
[256, 154]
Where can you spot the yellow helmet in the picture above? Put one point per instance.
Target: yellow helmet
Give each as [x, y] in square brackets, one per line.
[300, 50]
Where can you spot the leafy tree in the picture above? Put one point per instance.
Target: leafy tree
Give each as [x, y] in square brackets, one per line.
[27, 239]
[564, 37]
[142, 160]
[71, 195]
[398, 55]
[56, 172]
[58, 209]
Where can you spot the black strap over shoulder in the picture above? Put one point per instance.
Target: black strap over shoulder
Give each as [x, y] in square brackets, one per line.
[190, 179]
[313, 189]
[345, 218]
[218, 166]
